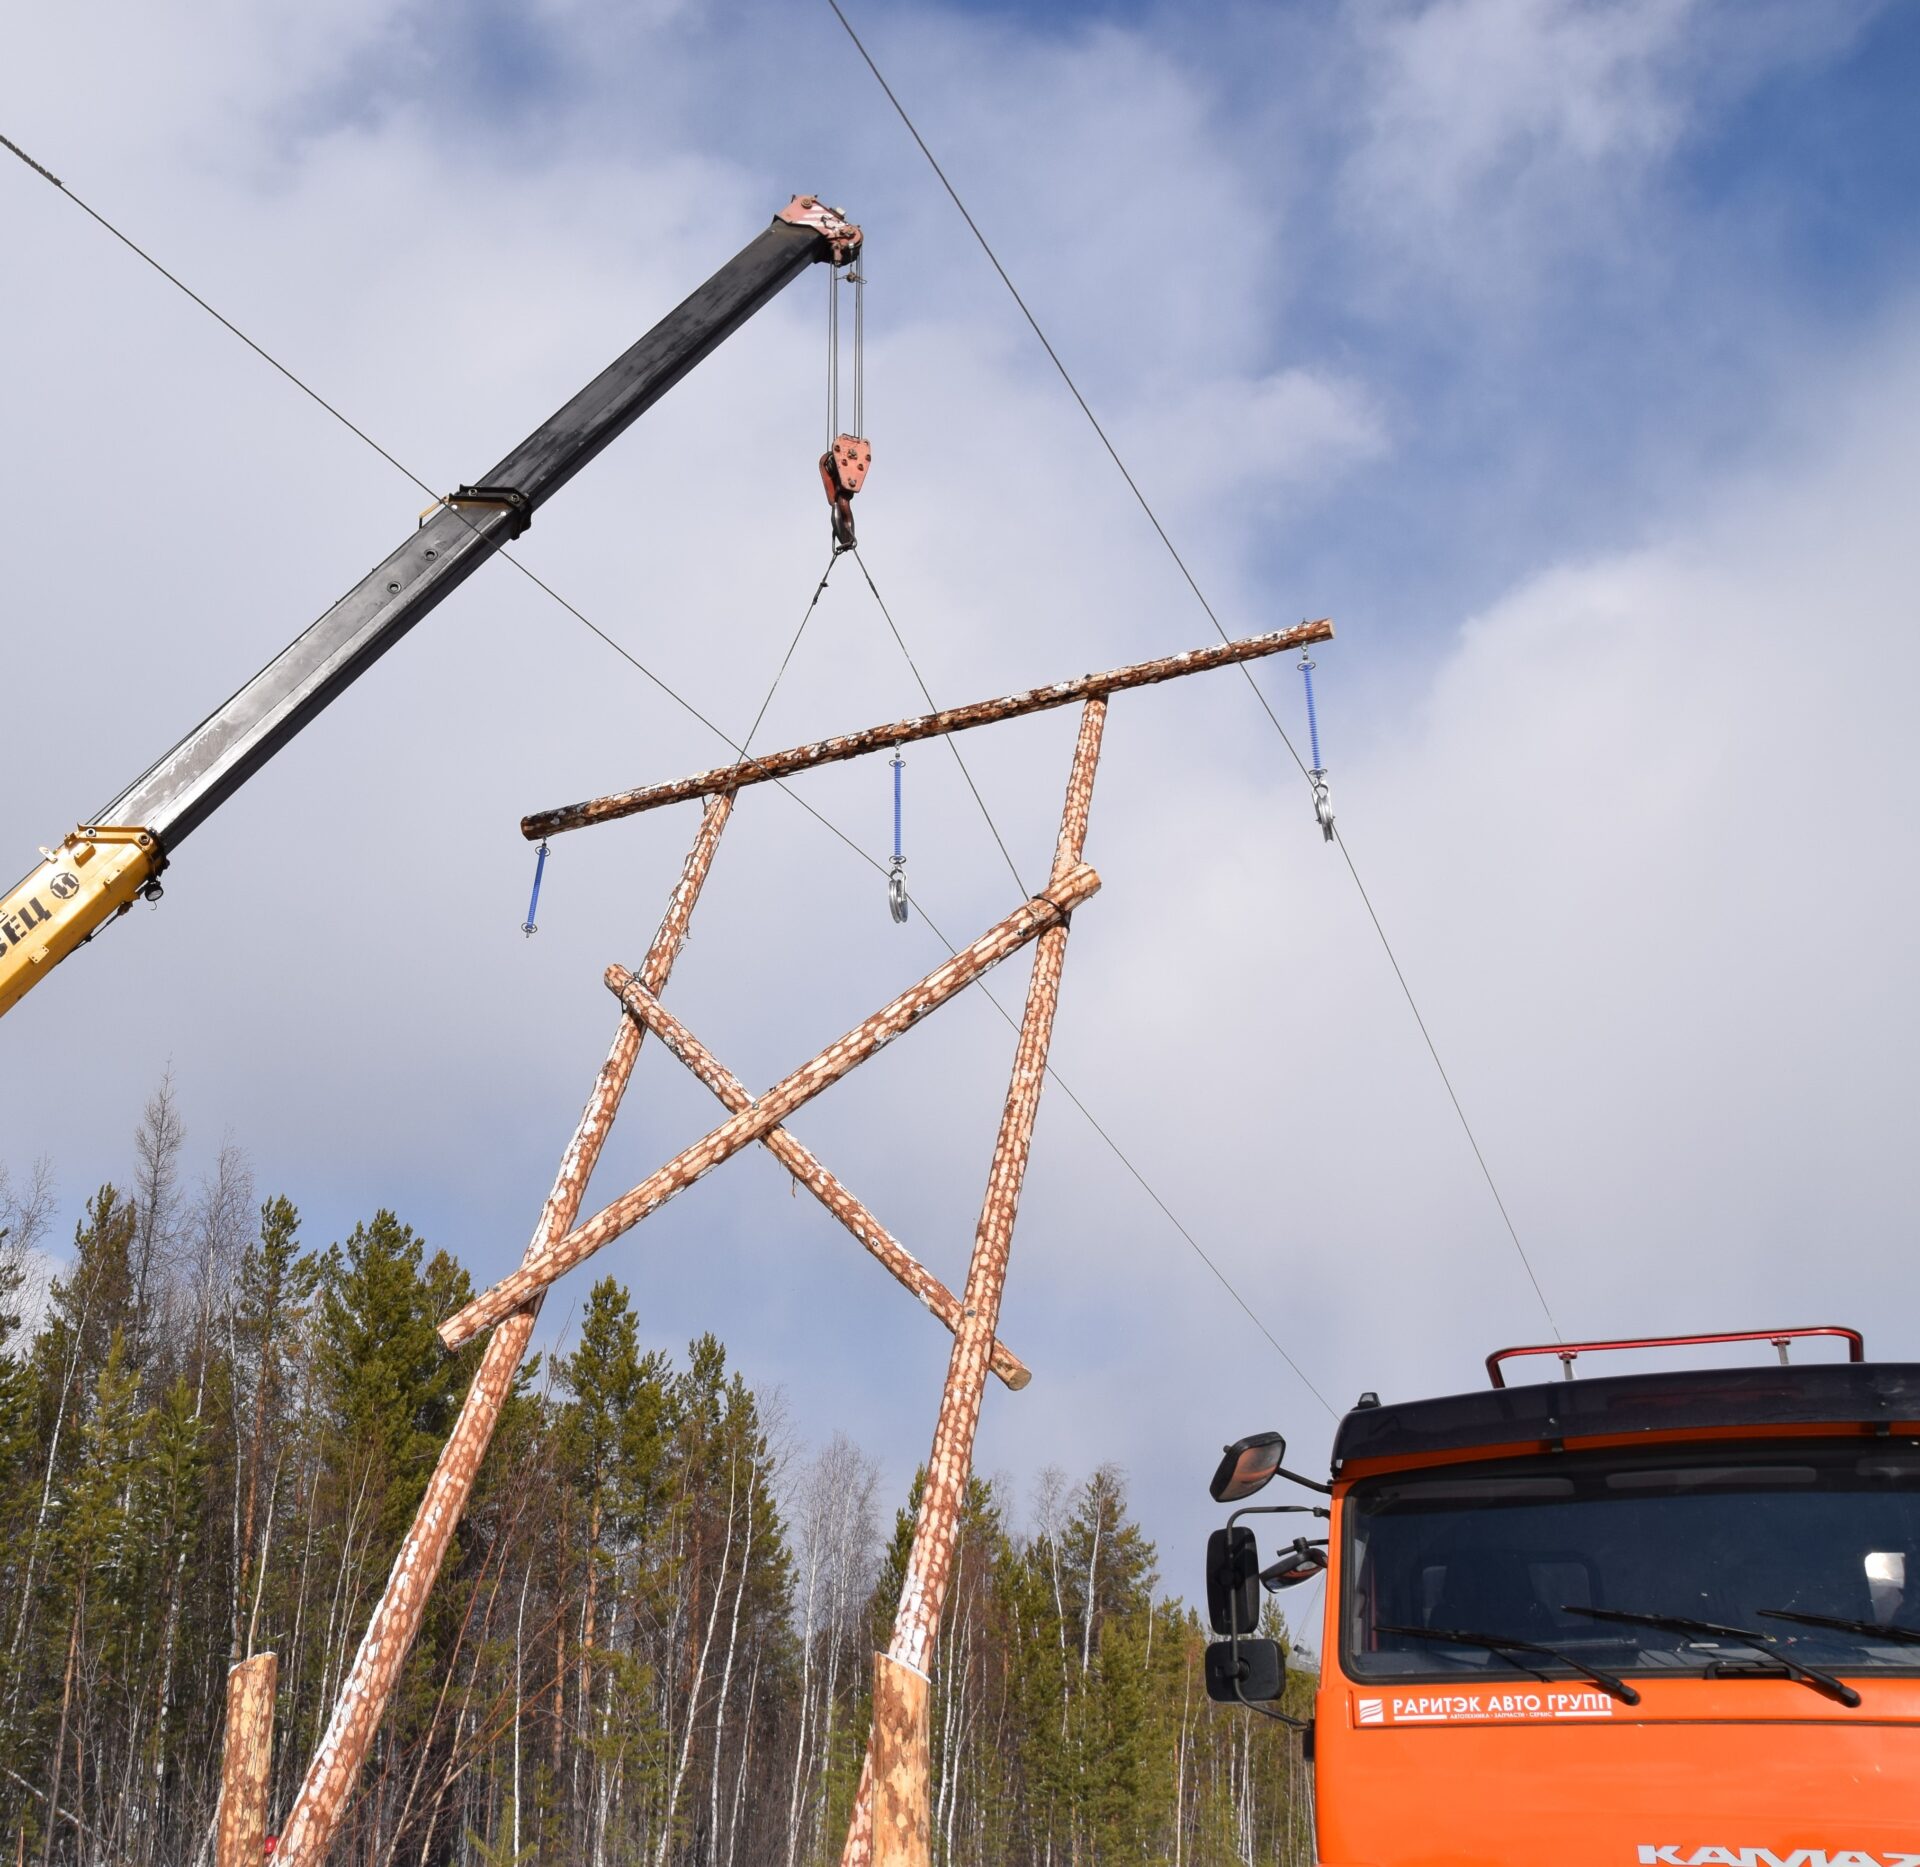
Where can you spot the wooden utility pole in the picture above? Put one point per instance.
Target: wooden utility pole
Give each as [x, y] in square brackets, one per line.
[890, 1822]
[889, 1827]
[246, 1762]
[390, 1634]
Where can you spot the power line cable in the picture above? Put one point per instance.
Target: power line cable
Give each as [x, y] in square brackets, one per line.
[180, 284]
[408, 473]
[681, 701]
[1433, 1052]
[1153, 518]
[1058, 1081]
[1054, 1076]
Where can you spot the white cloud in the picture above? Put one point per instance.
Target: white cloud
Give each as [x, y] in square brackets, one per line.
[1498, 139]
[1638, 827]
[1219, 439]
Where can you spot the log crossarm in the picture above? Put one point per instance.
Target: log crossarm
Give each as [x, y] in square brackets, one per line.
[800, 1161]
[923, 726]
[1050, 908]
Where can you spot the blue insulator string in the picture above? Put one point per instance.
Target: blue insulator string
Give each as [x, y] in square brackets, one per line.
[1317, 777]
[897, 875]
[528, 926]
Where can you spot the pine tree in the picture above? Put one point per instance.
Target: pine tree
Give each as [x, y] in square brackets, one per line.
[626, 1658]
[274, 1287]
[390, 1389]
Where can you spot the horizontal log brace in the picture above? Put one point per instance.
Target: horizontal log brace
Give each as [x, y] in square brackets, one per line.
[923, 726]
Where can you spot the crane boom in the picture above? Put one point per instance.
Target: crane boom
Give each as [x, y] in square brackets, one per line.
[107, 863]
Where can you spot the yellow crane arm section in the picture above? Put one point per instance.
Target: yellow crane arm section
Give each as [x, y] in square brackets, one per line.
[98, 872]
[92, 878]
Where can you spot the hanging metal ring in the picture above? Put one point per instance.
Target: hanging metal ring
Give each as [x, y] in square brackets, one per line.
[897, 893]
[1322, 803]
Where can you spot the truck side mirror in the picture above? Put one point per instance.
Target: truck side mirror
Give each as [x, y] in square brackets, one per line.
[1256, 1669]
[1300, 1562]
[1233, 1581]
[1246, 1465]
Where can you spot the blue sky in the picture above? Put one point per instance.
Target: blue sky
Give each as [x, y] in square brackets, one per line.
[1562, 352]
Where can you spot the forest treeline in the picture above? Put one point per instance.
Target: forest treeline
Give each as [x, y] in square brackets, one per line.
[652, 1642]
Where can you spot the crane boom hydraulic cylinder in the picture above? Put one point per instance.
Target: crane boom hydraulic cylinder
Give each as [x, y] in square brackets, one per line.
[105, 865]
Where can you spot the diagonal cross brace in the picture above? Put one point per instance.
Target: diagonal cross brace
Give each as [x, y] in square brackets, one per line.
[1050, 908]
[800, 1161]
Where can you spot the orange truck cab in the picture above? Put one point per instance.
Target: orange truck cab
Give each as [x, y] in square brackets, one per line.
[1646, 1620]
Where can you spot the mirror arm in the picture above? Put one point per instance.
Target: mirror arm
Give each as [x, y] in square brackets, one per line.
[1278, 1510]
[1265, 1711]
[1312, 1484]
[1270, 1510]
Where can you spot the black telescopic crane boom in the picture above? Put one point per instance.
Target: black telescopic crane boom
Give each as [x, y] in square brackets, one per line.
[100, 869]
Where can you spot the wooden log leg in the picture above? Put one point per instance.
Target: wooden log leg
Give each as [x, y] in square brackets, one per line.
[316, 1812]
[923, 1594]
[901, 1806]
[246, 1758]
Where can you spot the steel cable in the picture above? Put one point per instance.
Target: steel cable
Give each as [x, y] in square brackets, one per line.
[687, 705]
[933, 707]
[1153, 518]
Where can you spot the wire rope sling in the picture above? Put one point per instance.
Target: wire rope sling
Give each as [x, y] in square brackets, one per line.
[843, 467]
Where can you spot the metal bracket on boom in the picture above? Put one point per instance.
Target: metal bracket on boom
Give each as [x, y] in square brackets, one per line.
[841, 235]
[501, 498]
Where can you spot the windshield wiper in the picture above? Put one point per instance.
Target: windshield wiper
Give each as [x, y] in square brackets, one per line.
[1872, 1628]
[1681, 1624]
[1460, 1637]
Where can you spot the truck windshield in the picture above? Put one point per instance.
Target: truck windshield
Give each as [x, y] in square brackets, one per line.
[1747, 1536]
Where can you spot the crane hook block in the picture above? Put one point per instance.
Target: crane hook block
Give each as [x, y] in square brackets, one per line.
[843, 471]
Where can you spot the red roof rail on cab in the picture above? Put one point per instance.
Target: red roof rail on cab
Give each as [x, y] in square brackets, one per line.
[1569, 1352]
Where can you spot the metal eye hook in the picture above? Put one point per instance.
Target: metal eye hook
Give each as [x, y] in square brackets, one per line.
[1322, 802]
